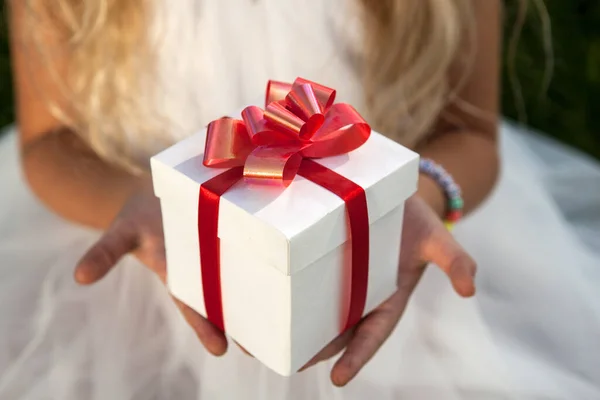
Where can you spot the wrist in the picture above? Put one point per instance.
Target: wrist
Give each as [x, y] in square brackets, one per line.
[143, 184]
[440, 191]
[140, 184]
[432, 193]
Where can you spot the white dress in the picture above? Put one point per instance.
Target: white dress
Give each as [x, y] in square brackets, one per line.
[532, 331]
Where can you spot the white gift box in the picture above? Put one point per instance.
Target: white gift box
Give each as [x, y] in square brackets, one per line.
[284, 251]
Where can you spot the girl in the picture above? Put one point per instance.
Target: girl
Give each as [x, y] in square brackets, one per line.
[104, 84]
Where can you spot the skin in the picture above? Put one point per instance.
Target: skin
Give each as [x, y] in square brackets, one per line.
[71, 180]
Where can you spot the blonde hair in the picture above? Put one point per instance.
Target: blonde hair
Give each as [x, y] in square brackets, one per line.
[409, 47]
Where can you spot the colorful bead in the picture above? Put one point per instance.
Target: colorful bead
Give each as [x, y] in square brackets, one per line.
[456, 203]
[454, 216]
[450, 188]
[449, 225]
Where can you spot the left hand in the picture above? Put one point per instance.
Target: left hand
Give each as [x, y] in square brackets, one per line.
[425, 240]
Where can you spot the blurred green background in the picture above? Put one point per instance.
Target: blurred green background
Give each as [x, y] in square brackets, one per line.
[567, 109]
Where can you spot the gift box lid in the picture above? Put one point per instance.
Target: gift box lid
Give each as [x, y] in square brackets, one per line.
[290, 227]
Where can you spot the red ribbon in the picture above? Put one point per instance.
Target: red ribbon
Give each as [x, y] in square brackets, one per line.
[300, 122]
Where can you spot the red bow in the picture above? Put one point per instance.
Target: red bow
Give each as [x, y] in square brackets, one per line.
[299, 121]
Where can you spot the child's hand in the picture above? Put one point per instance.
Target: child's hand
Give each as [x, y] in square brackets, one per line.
[138, 230]
[425, 239]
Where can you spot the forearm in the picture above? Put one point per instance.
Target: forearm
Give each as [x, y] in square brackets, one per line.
[472, 160]
[71, 180]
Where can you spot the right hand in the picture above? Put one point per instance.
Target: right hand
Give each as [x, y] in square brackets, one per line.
[138, 229]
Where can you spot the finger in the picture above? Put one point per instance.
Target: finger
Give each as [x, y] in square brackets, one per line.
[211, 337]
[443, 250]
[116, 242]
[368, 338]
[331, 350]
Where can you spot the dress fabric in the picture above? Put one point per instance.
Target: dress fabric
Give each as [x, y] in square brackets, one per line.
[530, 333]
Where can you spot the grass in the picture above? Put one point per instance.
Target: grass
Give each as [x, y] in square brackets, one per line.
[565, 110]
[6, 93]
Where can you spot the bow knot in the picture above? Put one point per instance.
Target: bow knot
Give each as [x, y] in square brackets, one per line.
[300, 120]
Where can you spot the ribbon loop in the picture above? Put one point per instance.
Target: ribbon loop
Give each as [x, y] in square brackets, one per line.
[276, 91]
[227, 143]
[303, 101]
[273, 164]
[282, 119]
[342, 131]
[255, 121]
[324, 94]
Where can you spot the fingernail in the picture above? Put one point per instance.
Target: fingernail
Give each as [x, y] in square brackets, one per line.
[468, 289]
[81, 276]
[337, 381]
[307, 366]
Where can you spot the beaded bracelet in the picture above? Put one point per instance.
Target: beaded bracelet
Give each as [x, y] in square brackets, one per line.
[450, 188]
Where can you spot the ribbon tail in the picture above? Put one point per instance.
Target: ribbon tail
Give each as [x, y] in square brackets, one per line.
[208, 229]
[356, 207]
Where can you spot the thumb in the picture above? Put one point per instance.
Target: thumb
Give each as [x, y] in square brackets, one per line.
[442, 249]
[116, 242]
